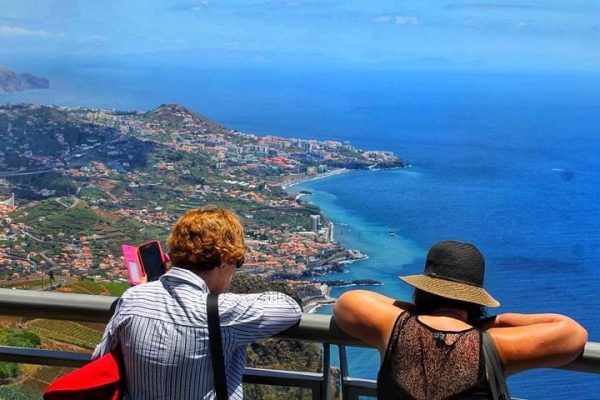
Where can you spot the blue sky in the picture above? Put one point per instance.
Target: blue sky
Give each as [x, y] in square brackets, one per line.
[494, 35]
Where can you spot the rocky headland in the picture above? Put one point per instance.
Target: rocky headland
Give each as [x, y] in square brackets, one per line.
[11, 82]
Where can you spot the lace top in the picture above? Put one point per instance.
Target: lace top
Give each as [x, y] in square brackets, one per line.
[423, 363]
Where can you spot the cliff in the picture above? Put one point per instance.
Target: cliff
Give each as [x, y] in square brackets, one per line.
[11, 82]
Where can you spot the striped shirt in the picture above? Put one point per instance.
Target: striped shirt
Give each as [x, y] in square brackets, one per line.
[162, 329]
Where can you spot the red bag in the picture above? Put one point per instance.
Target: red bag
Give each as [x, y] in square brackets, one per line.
[101, 379]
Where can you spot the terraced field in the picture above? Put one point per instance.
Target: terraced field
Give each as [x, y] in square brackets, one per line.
[42, 376]
[60, 335]
[96, 288]
[86, 287]
[67, 332]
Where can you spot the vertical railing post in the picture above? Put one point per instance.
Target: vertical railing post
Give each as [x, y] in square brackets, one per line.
[343, 371]
[326, 382]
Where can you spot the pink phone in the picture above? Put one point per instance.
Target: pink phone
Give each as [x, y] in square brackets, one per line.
[133, 264]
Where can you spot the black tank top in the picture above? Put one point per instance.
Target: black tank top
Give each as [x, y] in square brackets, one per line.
[423, 363]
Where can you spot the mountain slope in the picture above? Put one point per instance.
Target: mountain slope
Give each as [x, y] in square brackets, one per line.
[11, 82]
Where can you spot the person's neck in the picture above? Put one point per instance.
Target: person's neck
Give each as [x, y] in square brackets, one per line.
[210, 277]
[451, 312]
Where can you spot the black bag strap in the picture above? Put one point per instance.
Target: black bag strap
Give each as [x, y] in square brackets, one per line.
[216, 346]
[493, 367]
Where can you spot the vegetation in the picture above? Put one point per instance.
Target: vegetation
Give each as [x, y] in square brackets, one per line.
[116, 288]
[243, 283]
[24, 284]
[17, 338]
[18, 392]
[111, 230]
[40, 132]
[97, 288]
[67, 332]
[63, 185]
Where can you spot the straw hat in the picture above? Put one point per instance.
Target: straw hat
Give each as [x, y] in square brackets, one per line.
[454, 270]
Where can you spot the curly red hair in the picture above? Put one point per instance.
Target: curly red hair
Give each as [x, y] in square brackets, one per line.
[204, 238]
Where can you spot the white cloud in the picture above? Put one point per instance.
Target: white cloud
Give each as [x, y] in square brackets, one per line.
[87, 39]
[195, 5]
[404, 20]
[383, 19]
[398, 20]
[98, 38]
[200, 6]
[492, 6]
[522, 25]
[14, 31]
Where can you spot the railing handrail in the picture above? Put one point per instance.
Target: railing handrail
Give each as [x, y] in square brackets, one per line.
[94, 308]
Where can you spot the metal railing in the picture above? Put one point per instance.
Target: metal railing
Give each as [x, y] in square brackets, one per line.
[312, 327]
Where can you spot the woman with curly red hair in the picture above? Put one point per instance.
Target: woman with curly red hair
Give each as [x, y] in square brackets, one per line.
[161, 326]
[210, 243]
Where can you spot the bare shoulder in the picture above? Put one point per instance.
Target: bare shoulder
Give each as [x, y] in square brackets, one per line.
[368, 316]
[365, 302]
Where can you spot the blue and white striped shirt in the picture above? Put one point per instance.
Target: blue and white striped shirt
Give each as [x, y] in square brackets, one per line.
[163, 332]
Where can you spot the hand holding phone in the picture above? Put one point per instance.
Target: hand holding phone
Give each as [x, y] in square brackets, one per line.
[152, 259]
[145, 263]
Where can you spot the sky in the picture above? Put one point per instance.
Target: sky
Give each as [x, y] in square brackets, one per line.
[458, 34]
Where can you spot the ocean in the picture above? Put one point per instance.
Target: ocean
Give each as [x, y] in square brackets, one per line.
[507, 161]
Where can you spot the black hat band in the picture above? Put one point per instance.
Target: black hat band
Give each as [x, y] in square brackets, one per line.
[438, 276]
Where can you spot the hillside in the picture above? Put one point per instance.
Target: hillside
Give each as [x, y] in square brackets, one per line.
[86, 181]
[179, 117]
[11, 82]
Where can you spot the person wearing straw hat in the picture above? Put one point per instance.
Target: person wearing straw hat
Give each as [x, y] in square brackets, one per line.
[434, 348]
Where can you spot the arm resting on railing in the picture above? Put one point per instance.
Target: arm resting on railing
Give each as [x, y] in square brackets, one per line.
[91, 308]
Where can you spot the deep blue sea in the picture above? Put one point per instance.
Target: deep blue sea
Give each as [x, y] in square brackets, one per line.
[507, 161]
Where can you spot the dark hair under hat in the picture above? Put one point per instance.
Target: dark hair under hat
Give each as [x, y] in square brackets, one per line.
[454, 270]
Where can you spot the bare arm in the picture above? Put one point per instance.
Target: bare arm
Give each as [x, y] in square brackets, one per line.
[368, 316]
[527, 341]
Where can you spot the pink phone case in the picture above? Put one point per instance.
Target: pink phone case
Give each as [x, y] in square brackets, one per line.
[133, 264]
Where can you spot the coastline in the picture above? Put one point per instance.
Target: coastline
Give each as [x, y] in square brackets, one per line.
[311, 303]
[311, 306]
[347, 255]
[288, 183]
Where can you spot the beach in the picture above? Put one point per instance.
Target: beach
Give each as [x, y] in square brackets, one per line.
[312, 305]
[291, 181]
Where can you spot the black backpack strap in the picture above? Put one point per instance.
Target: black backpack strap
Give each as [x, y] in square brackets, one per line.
[493, 368]
[216, 346]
